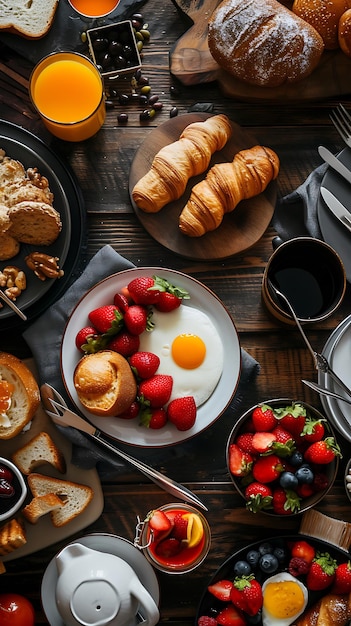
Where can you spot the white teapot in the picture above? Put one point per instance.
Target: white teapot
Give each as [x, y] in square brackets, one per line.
[99, 589]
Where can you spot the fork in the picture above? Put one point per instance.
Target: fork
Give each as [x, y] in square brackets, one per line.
[342, 122]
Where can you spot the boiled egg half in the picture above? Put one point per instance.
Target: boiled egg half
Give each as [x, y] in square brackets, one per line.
[284, 599]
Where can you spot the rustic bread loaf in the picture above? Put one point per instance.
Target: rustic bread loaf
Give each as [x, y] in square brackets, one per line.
[24, 396]
[323, 16]
[263, 43]
[75, 496]
[36, 223]
[29, 19]
[105, 383]
[344, 32]
[40, 450]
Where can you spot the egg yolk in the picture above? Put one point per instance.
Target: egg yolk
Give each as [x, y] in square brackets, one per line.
[188, 351]
[283, 599]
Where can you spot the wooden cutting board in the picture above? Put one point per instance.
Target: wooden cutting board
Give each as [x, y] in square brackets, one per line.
[192, 63]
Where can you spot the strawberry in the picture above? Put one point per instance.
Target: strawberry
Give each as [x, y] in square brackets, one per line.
[205, 620]
[144, 364]
[267, 468]
[168, 547]
[131, 412]
[304, 550]
[262, 441]
[85, 336]
[180, 526]
[342, 581]
[240, 463]
[292, 418]
[143, 290]
[282, 435]
[313, 430]
[322, 572]
[244, 442]
[258, 497]
[125, 343]
[156, 390]
[230, 616]
[246, 594]
[322, 452]
[182, 412]
[304, 490]
[121, 301]
[107, 318]
[136, 319]
[153, 418]
[320, 482]
[221, 589]
[167, 302]
[285, 501]
[159, 522]
[263, 418]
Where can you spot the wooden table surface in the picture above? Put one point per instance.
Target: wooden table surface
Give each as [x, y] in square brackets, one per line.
[294, 130]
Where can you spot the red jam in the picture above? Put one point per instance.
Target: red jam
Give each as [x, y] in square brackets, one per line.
[6, 391]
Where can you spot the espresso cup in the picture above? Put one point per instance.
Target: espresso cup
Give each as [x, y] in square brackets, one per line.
[310, 273]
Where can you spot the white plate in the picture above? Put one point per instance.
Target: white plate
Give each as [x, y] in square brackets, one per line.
[333, 232]
[104, 543]
[128, 431]
[337, 351]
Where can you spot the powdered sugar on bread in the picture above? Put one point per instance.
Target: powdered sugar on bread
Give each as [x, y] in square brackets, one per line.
[263, 43]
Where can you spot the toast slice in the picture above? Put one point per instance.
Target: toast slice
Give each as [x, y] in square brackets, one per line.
[41, 505]
[40, 450]
[75, 496]
[12, 536]
[29, 19]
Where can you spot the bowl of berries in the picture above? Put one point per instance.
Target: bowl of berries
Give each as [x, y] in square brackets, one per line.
[13, 489]
[282, 456]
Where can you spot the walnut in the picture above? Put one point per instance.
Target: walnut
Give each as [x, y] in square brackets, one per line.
[43, 265]
[13, 281]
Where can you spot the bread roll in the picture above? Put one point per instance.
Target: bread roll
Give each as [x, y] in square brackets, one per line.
[36, 223]
[344, 32]
[263, 43]
[24, 395]
[105, 383]
[324, 16]
[174, 164]
[331, 610]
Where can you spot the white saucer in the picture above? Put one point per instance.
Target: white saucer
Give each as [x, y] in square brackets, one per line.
[337, 351]
[104, 543]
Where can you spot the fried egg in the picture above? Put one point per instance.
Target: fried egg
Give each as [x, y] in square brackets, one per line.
[284, 599]
[190, 350]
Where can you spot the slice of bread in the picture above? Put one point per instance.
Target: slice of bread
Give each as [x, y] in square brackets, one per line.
[75, 496]
[25, 397]
[41, 505]
[36, 223]
[40, 450]
[12, 536]
[9, 246]
[29, 19]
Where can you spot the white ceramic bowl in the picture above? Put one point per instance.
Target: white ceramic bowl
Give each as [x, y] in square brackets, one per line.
[10, 505]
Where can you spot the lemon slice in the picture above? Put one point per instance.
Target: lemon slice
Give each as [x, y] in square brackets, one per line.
[195, 529]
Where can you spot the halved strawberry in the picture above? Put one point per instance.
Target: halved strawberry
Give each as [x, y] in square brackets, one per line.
[160, 524]
[262, 441]
[221, 589]
[240, 463]
[230, 616]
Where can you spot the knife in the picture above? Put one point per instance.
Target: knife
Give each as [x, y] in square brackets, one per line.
[338, 209]
[339, 167]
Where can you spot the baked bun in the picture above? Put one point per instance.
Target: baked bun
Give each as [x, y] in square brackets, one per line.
[263, 43]
[24, 395]
[344, 32]
[104, 382]
[324, 16]
[36, 223]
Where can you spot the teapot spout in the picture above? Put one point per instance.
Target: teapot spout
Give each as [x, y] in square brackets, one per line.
[68, 553]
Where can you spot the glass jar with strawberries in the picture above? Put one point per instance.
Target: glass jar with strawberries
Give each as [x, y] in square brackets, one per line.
[175, 538]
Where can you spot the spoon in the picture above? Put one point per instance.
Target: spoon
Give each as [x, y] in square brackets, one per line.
[12, 305]
[325, 392]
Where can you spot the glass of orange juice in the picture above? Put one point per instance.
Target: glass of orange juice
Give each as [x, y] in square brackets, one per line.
[67, 90]
[94, 8]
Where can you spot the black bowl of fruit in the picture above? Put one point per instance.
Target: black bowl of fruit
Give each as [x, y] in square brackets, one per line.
[282, 456]
[13, 489]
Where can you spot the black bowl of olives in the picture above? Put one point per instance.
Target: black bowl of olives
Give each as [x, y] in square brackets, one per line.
[13, 490]
[114, 50]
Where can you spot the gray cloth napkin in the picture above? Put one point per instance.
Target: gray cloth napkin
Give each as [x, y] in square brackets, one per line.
[295, 215]
[44, 339]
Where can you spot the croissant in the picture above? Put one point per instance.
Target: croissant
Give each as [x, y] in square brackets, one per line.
[224, 186]
[332, 610]
[174, 164]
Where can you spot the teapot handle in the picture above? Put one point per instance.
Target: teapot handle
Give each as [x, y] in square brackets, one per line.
[148, 607]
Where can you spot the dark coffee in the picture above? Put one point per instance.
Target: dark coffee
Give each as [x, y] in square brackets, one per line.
[304, 291]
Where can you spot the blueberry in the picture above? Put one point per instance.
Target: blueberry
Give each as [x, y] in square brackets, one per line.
[280, 554]
[242, 568]
[254, 619]
[288, 480]
[265, 548]
[268, 563]
[304, 474]
[252, 557]
[296, 459]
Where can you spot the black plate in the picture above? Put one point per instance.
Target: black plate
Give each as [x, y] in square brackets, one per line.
[32, 152]
[225, 571]
[333, 232]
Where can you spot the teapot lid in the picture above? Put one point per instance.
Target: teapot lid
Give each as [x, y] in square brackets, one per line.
[95, 603]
